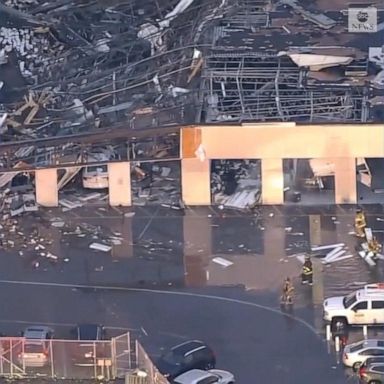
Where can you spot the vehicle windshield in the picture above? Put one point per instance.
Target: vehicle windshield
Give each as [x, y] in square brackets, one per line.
[173, 358]
[356, 347]
[349, 300]
[33, 348]
[97, 169]
[87, 333]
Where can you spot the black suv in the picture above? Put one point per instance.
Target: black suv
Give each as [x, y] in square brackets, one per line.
[182, 358]
[90, 345]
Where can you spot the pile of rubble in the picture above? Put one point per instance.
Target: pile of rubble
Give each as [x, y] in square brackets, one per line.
[236, 183]
[157, 183]
[113, 63]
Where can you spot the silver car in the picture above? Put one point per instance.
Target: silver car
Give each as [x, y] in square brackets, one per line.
[356, 354]
[36, 347]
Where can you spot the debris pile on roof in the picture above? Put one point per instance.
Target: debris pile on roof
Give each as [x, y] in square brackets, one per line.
[76, 67]
[289, 61]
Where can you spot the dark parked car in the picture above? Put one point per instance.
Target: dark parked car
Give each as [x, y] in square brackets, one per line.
[372, 371]
[192, 354]
[91, 346]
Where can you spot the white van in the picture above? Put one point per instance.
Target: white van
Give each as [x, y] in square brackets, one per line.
[96, 176]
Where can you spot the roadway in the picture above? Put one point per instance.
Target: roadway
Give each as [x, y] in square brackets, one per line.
[252, 340]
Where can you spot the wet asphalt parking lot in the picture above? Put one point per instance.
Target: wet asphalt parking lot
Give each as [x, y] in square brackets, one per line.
[162, 284]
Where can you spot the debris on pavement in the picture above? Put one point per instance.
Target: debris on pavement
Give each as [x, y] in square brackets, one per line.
[223, 262]
[100, 247]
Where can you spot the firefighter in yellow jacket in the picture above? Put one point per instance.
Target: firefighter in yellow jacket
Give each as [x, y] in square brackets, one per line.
[360, 223]
[374, 246]
[307, 271]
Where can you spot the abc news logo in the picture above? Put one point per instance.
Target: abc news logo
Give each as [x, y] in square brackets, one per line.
[362, 20]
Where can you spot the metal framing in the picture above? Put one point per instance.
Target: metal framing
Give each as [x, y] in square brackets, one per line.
[110, 359]
[245, 76]
[251, 87]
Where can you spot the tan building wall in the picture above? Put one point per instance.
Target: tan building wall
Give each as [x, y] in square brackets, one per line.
[119, 178]
[47, 193]
[272, 143]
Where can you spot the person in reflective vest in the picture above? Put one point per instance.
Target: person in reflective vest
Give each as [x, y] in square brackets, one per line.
[307, 272]
[374, 246]
[288, 290]
[360, 223]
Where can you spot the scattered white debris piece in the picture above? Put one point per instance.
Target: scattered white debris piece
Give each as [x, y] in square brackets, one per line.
[58, 224]
[334, 256]
[100, 247]
[333, 252]
[90, 196]
[368, 234]
[51, 256]
[69, 204]
[345, 257]
[165, 171]
[379, 219]
[321, 247]
[368, 258]
[224, 262]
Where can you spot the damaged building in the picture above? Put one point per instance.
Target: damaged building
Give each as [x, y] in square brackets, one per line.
[290, 61]
[80, 79]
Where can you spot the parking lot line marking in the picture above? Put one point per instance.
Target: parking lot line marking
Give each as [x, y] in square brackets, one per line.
[170, 293]
[144, 331]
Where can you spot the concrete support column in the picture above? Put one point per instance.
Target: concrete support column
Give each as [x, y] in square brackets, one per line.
[345, 181]
[47, 194]
[197, 248]
[196, 182]
[272, 181]
[119, 178]
[315, 230]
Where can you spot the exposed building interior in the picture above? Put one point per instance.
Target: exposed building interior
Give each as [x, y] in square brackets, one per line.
[156, 183]
[309, 181]
[370, 180]
[236, 183]
[158, 66]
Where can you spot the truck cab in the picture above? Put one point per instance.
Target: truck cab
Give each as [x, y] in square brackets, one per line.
[362, 307]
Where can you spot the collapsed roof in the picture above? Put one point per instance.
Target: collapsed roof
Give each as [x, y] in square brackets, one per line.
[73, 67]
[290, 60]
